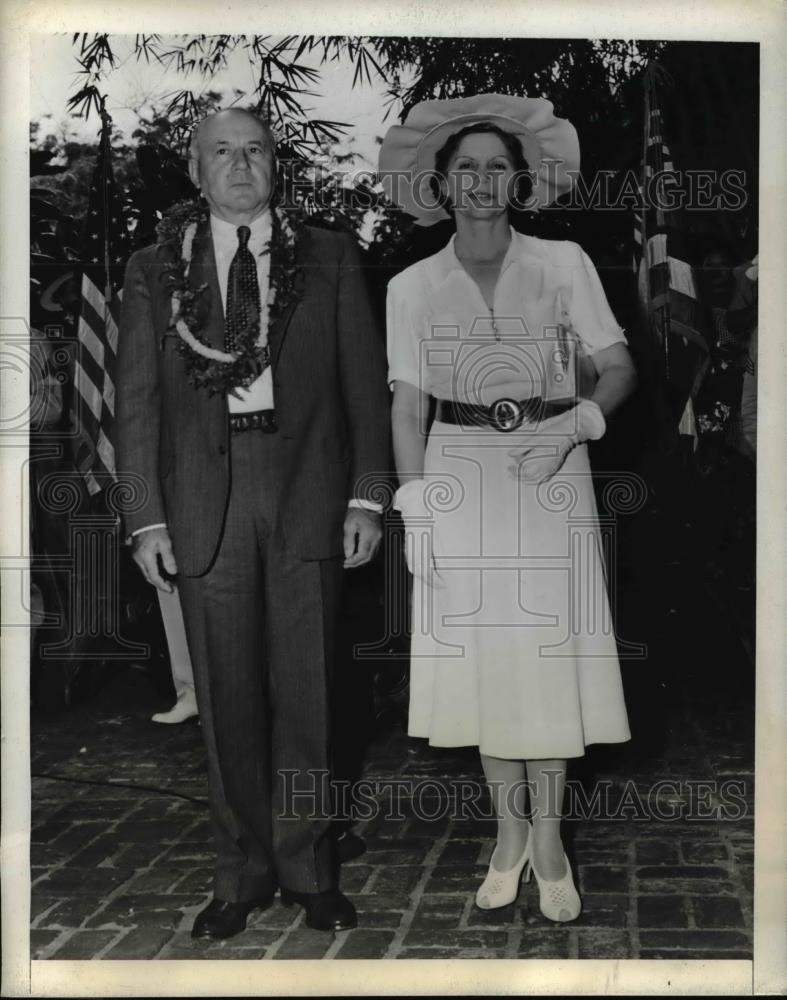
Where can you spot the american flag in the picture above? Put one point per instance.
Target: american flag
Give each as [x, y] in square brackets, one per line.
[107, 246]
[667, 287]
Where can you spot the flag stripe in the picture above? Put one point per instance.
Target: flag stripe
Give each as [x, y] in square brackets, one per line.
[112, 332]
[93, 345]
[667, 286]
[89, 393]
[681, 278]
[106, 240]
[109, 395]
[92, 295]
[105, 450]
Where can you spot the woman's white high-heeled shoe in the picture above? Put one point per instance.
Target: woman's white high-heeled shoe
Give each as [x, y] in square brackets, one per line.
[558, 900]
[501, 888]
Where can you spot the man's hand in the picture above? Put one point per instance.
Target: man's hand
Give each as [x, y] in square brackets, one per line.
[362, 534]
[148, 546]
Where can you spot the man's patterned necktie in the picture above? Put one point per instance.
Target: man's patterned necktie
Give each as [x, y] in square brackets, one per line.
[243, 291]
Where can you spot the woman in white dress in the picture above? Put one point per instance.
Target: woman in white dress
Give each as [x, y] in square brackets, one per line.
[512, 648]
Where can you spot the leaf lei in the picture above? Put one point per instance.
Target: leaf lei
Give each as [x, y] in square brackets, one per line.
[207, 367]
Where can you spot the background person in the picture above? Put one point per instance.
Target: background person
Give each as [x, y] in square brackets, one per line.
[185, 706]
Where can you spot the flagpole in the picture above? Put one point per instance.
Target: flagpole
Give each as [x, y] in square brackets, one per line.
[648, 86]
[106, 128]
[650, 103]
[643, 205]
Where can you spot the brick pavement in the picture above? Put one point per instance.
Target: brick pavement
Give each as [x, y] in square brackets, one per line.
[121, 872]
[665, 868]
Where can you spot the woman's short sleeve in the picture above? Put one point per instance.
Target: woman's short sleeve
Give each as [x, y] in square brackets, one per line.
[589, 312]
[402, 337]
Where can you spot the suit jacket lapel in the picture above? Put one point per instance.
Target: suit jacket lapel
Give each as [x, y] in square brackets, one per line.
[278, 329]
[203, 271]
[212, 410]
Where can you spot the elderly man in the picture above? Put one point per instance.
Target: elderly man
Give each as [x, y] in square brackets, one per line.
[258, 494]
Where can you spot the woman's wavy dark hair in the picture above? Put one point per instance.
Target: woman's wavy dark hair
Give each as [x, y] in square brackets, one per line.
[524, 182]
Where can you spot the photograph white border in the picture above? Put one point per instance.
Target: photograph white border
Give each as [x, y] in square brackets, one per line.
[763, 21]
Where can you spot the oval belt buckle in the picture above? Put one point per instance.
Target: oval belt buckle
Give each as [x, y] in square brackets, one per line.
[506, 415]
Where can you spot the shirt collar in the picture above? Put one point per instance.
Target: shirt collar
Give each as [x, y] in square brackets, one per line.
[446, 262]
[225, 234]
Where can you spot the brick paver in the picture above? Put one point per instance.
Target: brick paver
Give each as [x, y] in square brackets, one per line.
[665, 871]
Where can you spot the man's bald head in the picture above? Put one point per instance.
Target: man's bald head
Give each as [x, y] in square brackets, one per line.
[199, 127]
[232, 163]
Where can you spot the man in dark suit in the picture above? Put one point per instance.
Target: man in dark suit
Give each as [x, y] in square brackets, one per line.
[256, 500]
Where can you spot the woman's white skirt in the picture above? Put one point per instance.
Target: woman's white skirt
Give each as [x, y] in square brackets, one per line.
[515, 653]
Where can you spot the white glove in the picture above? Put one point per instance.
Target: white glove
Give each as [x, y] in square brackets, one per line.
[418, 531]
[558, 435]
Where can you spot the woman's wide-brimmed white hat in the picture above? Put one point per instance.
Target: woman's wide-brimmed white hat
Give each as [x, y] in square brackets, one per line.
[407, 155]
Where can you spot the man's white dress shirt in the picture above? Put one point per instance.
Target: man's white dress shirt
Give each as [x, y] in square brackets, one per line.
[259, 395]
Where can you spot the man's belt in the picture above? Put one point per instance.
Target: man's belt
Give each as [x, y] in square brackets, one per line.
[503, 415]
[256, 420]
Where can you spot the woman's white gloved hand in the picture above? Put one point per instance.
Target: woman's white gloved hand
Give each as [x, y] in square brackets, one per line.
[543, 454]
[418, 519]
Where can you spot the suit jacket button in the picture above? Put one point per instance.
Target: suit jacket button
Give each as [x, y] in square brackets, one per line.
[222, 449]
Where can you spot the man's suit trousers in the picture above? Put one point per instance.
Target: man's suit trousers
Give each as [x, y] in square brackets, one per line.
[261, 632]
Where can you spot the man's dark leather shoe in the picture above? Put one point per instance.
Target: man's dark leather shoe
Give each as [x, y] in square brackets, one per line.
[325, 911]
[221, 920]
[349, 846]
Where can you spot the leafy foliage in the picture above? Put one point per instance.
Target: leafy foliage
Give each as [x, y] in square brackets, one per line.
[596, 84]
[281, 79]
